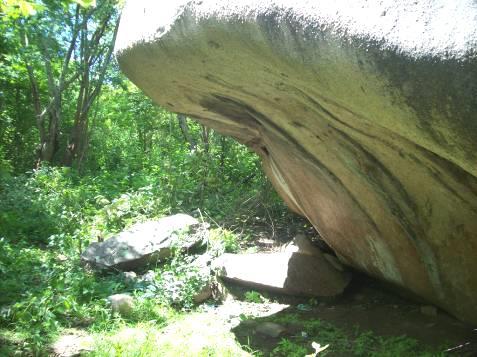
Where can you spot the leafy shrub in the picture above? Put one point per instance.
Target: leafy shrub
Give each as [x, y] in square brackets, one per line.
[6, 167]
[289, 348]
[176, 283]
[43, 292]
[223, 241]
[254, 296]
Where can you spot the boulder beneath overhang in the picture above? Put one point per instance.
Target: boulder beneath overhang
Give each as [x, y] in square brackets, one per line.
[292, 271]
[364, 115]
[147, 242]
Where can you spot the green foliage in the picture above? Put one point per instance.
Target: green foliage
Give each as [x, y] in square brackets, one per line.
[176, 283]
[43, 291]
[289, 348]
[223, 240]
[18, 8]
[340, 342]
[55, 212]
[150, 310]
[254, 296]
[5, 166]
[196, 334]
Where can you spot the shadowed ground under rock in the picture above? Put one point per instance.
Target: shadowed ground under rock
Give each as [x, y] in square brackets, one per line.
[366, 306]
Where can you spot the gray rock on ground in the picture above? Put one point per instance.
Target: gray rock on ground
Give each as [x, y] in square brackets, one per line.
[292, 271]
[146, 242]
[130, 278]
[271, 329]
[121, 303]
[203, 294]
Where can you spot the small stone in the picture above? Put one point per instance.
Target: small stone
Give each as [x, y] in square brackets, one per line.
[271, 329]
[303, 307]
[204, 294]
[130, 277]
[121, 303]
[149, 277]
[429, 310]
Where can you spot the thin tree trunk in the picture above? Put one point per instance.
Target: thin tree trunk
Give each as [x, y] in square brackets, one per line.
[182, 119]
[49, 138]
[223, 151]
[90, 53]
[205, 176]
[205, 138]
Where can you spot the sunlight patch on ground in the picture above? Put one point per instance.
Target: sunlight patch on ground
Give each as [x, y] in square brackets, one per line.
[200, 334]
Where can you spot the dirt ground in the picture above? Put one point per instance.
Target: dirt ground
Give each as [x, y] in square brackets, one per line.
[369, 306]
[366, 305]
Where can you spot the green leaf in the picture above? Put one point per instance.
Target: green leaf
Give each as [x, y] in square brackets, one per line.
[26, 8]
[86, 3]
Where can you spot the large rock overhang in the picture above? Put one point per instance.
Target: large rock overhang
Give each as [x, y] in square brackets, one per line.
[363, 112]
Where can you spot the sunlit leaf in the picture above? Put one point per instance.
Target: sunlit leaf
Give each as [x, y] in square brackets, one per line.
[86, 3]
[26, 8]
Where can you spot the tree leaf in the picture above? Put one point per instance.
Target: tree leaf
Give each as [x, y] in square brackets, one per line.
[26, 8]
[86, 3]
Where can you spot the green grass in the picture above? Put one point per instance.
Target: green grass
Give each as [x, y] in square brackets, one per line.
[195, 334]
[47, 217]
[359, 343]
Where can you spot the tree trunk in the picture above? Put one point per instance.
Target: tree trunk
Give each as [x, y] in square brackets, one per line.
[182, 119]
[90, 85]
[223, 151]
[205, 138]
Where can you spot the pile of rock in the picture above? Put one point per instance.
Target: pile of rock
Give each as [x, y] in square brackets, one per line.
[299, 268]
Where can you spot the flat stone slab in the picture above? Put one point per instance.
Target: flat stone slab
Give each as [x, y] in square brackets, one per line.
[145, 242]
[291, 272]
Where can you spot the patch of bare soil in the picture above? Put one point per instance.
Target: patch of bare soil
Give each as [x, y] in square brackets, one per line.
[72, 343]
[365, 306]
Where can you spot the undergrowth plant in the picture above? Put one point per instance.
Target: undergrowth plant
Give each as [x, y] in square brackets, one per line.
[254, 296]
[48, 217]
[357, 343]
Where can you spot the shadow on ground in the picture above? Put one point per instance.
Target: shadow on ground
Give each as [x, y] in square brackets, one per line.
[367, 320]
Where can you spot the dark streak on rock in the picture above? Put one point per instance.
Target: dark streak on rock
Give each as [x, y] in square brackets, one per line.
[263, 120]
[459, 174]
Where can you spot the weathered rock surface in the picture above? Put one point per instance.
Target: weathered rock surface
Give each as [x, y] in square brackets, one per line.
[123, 304]
[271, 329]
[293, 271]
[146, 242]
[363, 112]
